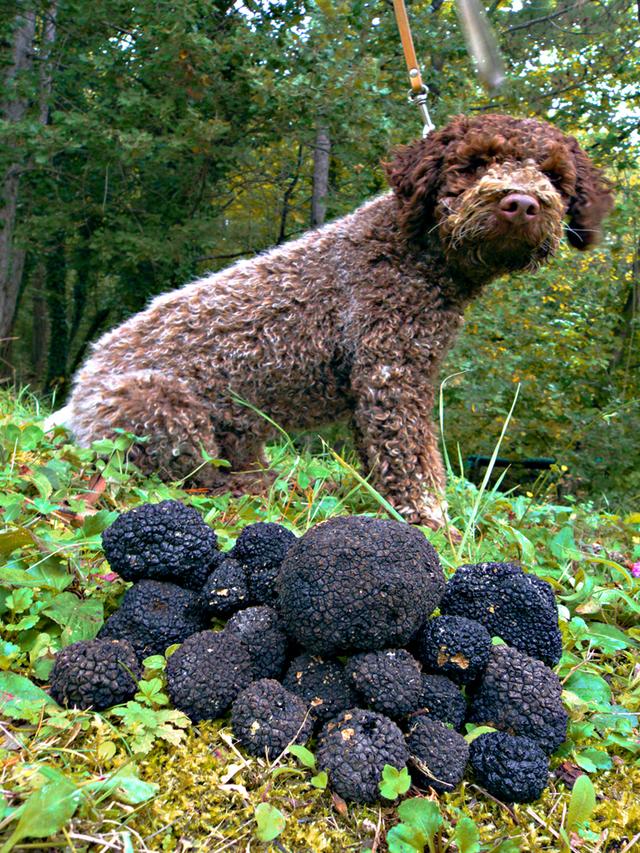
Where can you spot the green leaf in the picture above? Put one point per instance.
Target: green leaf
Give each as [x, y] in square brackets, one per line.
[593, 759]
[304, 755]
[46, 811]
[80, 620]
[581, 804]
[421, 814]
[15, 690]
[475, 731]
[12, 540]
[609, 638]
[270, 822]
[320, 780]
[99, 521]
[466, 836]
[589, 687]
[394, 782]
[405, 839]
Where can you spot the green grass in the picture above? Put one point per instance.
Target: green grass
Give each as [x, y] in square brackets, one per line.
[141, 778]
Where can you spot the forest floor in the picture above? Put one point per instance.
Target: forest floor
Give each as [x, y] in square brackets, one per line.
[141, 777]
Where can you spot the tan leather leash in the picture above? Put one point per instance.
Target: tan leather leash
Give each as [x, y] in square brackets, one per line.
[419, 91]
[481, 44]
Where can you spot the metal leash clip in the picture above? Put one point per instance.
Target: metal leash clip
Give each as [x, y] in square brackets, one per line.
[419, 98]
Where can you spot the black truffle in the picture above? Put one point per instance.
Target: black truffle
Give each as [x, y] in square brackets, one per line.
[354, 748]
[439, 755]
[358, 584]
[261, 548]
[454, 646]
[153, 616]
[225, 590]
[388, 681]
[322, 684]
[260, 629]
[441, 699]
[510, 603]
[95, 674]
[512, 769]
[521, 695]
[266, 718]
[167, 541]
[206, 674]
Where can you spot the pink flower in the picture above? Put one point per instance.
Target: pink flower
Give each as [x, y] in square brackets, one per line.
[635, 569]
[112, 576]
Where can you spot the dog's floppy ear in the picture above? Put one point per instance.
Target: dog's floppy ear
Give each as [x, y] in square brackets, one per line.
[590, 203]
[414, 174]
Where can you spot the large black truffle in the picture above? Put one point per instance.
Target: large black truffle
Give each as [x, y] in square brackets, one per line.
[225, 590]
[520, 695]
[153, 616]
[167, 541]
[261, 548]
[388, 681]
[354, 748]
[512, 769]
[95, 674]
[322, 684]
[260, 629]
[206, 674]
[439, 755]
[510, 603]
[358, 584]
[266, 718]
[441, 699]
[453, 646]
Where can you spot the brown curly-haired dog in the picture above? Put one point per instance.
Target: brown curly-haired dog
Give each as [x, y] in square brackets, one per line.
[350, 321]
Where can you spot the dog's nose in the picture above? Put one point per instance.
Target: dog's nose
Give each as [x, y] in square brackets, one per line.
[519, 207]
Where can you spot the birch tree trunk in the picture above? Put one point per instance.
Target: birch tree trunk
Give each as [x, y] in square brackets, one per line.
[321, 152]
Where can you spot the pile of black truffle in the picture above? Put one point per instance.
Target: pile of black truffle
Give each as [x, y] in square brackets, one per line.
[332, 635]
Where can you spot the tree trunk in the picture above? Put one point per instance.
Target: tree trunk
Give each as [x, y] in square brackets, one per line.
[13, 111]
[321, 153]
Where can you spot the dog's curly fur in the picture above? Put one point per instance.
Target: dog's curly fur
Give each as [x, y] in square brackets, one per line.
[350, 321]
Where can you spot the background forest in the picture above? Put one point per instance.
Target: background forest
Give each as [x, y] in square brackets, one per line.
[141, 145]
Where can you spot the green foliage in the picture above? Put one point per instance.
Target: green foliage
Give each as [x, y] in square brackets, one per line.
[394, 782]
[269, 822]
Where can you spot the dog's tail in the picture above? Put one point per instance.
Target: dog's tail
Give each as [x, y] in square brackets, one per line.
[60, 418]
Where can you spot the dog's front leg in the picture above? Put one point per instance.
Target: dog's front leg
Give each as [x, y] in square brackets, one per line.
[397, 439]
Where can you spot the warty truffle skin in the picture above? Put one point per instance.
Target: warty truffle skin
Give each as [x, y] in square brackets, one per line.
[322, 684]
[354, 748]
[266, 718]
[260, 629]
[441, 699]
[225, 590]
[154, 615]
[358, 584]
[453, 646]
[513, 769]
[388, 681]
[520, 695]
[95, 674]
[206, 673]
[167, 541]
[439, 755]
[261, 548]
[511, 603]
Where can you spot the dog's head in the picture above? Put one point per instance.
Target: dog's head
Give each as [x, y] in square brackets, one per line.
[497, 190]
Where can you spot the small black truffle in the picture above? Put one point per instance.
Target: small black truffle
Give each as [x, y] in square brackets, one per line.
[513, 769]
[519, 694]
[354, 748]
[260, 629]
[225, 590]
[441, 699]
[266, 718]
[512, 604]
[167, 541]
[388, 681]
[206, 674]
[439, 755]
[358, 584]
[261, 548]
[453, 646]
[95, 674]
[322, 684]
[154, 615]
